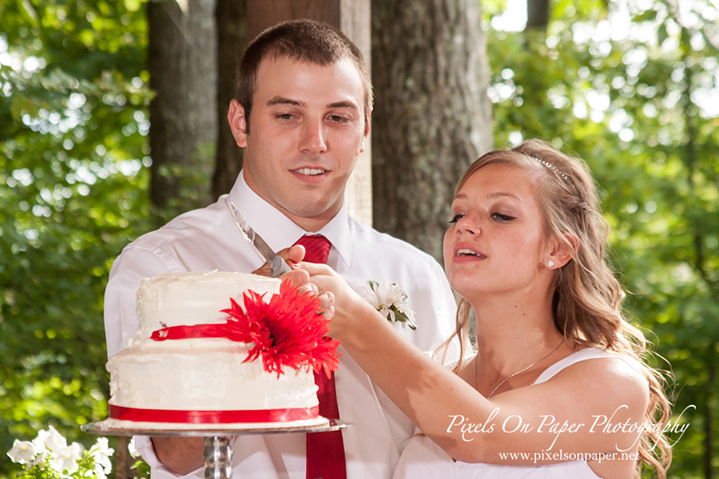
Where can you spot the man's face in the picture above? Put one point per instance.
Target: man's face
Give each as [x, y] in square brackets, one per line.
[306, 132]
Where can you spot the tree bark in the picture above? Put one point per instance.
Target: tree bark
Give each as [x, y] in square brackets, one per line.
[182, 65]
[123, 460]
[264, 14]
[231, 18]
[432, 116]
[538, 14]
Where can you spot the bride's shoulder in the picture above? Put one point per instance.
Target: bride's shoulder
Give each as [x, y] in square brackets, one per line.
[612, 373]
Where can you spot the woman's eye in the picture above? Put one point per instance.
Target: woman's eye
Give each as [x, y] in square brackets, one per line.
[456, 218]
[501, 217]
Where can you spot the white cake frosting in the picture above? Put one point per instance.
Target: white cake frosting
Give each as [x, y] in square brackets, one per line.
[202, 374]
[175, 299]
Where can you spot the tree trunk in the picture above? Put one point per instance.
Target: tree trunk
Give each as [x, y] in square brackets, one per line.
[538, 14]
[231, 18]
[183, 117]
[123, 460]
[264, 14]
[432, 116]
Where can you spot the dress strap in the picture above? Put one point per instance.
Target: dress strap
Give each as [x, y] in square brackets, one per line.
[579, 356]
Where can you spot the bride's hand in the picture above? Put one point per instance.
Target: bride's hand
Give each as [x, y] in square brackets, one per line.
[301, 279]
[345, 306]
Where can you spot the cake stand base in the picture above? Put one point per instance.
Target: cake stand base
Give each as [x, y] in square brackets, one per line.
[218, 453]
[218, 456]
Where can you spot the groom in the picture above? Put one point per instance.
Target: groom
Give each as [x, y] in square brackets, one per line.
[302, 114]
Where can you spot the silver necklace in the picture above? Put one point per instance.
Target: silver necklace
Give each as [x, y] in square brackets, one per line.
[518, 372]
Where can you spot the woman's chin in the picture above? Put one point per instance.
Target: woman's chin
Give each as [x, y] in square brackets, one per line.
[467, 288]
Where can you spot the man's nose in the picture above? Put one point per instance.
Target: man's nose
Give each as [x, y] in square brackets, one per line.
[313, 137]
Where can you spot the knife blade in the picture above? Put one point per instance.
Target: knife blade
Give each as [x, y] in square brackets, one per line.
[278, 265]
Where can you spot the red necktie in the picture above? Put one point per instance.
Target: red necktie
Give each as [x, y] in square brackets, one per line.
[325, 450]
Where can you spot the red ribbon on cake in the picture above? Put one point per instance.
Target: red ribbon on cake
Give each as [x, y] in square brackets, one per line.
[223, 330]
[289, 330]
[213, 417]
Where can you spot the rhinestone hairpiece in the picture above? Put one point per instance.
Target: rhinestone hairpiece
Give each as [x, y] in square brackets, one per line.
[550, 166]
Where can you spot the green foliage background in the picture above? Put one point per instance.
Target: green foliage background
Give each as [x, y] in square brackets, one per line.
[74, 177]
[631, 108]
[73, 181]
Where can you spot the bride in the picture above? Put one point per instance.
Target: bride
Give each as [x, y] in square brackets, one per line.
[558, 386]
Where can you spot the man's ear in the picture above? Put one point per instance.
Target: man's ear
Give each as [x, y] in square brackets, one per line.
[238, 123]
[369, 120]
[366, 130]
[561, 252]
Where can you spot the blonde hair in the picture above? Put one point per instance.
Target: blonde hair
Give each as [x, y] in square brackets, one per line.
[587, 297]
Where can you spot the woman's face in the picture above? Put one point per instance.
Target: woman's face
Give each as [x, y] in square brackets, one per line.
[495, 245]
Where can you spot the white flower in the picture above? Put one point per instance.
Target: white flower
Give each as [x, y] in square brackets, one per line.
[22, 452]
[53, 440]
[40, 449]
[132, 449]
[101, 453]
[39, 443]
[390, 300]
[49, 456]
[65, 459]
[53, 449]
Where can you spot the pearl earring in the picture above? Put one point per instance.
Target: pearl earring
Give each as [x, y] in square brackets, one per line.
[550, 263]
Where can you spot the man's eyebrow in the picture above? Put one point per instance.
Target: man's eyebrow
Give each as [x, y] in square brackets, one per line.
[343, 104]
[278, 100]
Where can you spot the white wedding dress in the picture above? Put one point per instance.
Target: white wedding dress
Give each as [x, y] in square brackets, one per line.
[423, 459]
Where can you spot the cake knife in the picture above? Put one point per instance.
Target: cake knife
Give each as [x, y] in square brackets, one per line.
[278, 265]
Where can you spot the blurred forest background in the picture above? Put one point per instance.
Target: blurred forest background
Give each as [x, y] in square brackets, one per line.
[628, 85]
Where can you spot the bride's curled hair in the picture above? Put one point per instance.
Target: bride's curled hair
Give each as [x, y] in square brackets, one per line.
[587, 296]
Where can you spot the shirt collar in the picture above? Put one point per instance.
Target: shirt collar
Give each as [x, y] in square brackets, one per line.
[281, 232]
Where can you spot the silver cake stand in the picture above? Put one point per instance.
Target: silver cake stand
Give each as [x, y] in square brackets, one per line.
[218, 452]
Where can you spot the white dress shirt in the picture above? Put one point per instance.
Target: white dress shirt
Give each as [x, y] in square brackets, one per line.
[208, 239]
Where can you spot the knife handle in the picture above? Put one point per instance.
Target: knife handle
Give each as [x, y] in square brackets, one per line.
[279, 266]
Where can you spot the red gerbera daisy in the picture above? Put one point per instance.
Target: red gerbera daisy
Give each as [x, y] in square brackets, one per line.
[288, 331]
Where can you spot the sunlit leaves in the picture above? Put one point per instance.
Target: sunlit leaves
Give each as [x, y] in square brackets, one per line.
[73, 176]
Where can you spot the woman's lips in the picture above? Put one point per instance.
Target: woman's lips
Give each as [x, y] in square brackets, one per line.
[468, 252]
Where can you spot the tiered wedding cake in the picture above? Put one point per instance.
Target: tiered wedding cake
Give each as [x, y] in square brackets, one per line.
[221, 349]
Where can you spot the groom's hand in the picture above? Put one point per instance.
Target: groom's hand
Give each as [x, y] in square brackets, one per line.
[181, 455]
[293, 254]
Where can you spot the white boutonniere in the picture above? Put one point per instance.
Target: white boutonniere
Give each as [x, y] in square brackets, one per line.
[391, 301]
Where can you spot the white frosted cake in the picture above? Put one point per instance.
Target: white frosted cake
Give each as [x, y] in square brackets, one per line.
[180, 371]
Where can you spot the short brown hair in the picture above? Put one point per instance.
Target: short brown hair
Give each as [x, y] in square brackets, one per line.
[306, 41]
